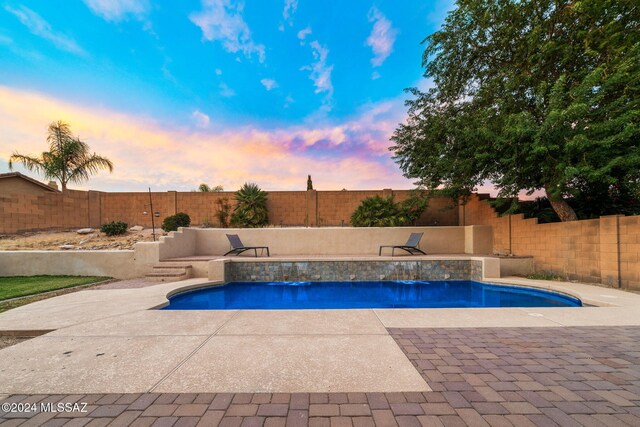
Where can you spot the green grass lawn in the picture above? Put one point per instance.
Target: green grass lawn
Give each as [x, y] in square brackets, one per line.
[18, 286]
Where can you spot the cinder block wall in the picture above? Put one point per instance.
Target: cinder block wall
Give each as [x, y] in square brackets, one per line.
[74, 209]
[630, 251]
[47, 210]
[604, 250]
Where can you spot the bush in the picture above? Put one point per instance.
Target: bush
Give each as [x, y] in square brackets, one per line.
[545, 275]
[251, 207]
[223, 211]
[114, 228]
[377, 211]
[171, 223]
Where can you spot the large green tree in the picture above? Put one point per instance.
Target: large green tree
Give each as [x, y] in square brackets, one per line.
[529, 94]
[68, 158]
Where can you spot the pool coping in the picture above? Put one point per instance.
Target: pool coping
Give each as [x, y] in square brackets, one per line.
[45, 315]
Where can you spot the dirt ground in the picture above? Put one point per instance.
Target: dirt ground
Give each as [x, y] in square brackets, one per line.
[54, 240]
[8, 341]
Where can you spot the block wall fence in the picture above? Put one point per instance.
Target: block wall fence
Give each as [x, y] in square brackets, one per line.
[604, 250]
[76, 209]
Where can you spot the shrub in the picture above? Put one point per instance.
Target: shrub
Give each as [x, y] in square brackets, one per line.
[171, 223]
[544, 275]
[251, 207]
[114, 228]
[223, 211]
[377, 211]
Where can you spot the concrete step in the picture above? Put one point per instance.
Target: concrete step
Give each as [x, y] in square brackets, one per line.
[169, 273]
[172, 265]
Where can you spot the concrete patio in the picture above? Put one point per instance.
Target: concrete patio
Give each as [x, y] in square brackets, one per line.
[97, 337]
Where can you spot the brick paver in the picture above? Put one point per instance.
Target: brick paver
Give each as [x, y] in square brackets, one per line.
[481, 376]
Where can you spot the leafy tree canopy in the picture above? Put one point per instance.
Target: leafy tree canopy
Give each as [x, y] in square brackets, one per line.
[206, 188]
[530, 94]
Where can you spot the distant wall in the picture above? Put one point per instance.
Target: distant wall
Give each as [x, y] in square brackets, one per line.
[20, 211]
[604, 250]
[24, 211]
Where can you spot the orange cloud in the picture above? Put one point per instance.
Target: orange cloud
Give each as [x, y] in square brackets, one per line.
[350, 155]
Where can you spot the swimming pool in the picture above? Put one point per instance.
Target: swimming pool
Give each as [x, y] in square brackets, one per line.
[383, 294]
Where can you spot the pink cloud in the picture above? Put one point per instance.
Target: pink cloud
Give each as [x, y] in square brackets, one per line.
[352, 154]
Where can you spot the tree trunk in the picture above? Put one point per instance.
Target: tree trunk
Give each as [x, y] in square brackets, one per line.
[561, 207]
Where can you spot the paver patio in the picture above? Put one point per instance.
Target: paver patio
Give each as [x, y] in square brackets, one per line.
[480, 376]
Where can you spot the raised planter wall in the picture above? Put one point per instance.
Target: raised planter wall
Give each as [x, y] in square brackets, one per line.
[117, 264]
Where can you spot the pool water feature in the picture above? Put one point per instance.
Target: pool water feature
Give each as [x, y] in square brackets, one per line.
[350, 295]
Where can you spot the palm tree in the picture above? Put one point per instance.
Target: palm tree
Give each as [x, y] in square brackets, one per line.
[251, 207]
[67, 160]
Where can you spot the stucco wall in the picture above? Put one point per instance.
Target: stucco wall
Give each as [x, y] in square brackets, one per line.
[178, 244]
[17, 185]
[331, 240]
[117, 264]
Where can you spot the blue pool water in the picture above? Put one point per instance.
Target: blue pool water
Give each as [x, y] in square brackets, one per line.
[387, 294]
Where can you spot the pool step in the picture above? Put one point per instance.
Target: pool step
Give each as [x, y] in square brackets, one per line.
[168, 272]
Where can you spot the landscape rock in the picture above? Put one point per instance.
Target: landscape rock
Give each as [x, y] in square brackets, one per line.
[136, 228]
[85, 231]
[67, 247]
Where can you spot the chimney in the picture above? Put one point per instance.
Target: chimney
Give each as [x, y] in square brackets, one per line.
[53, 184]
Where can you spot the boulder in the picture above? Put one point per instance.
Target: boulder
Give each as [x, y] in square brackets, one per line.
[136, 228]
[85, 231]
[67, 247]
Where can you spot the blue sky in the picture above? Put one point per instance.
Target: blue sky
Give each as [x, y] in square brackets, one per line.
[217, 91]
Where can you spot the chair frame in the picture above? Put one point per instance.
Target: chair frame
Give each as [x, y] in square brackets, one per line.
[412, 249]
[237, 250]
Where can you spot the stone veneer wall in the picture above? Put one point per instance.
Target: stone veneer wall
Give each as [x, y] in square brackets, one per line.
[476, 270]
[327, 271]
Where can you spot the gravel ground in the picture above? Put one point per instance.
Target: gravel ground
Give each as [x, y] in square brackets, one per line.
[53, 240]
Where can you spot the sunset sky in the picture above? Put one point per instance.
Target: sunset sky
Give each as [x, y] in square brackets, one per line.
[216, 91]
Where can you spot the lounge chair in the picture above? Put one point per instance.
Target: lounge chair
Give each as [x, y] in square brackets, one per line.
[237, 247]
[411, 246]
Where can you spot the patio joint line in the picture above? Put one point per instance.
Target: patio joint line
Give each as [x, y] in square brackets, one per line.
[190, 355]
[292, 334]
[84, 322]
[543, 317]
[375, 312]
